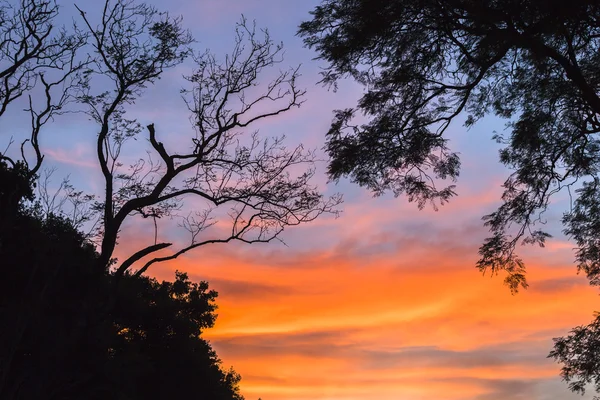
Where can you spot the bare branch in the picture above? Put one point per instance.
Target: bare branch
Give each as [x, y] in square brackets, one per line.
[134, 44]
[34, 52]
[252, 176]
[139, 255]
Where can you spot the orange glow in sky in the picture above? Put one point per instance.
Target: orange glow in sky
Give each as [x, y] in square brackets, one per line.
[412, 319]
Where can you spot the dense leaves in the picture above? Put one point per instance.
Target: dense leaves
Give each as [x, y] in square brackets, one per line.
[50, 294]
[155, 351]
[73, 331]
[580, 353]
[425, 62]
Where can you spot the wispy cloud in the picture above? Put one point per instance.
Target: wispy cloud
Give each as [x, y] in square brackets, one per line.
[79, 156]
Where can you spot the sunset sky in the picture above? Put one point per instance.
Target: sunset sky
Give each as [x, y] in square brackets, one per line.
[383, 302]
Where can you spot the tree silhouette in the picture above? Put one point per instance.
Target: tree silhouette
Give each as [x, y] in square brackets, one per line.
[155, 339]
[58, 342]
[82, 324]
[247, 176]
[425, 62]
[254, 184]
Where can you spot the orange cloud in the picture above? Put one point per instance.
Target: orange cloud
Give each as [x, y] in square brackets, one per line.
[421, 324]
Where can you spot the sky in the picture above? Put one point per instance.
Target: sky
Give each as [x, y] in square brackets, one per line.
[383, 302]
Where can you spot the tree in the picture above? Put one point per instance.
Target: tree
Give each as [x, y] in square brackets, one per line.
[250, 176]
[242, 178]
[34, 52]
[148, 347]
[425, 62]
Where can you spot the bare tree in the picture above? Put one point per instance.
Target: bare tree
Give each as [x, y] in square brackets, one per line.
[37, 60]
[224, 163]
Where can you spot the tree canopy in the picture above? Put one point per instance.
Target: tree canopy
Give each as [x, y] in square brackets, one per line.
[425, 62]
[580, 353]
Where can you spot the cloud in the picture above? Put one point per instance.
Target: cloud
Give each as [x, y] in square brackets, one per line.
[559, 285]
[509, 389]
[78, 157]
[335, 344]
[247, 291]
[327, 359]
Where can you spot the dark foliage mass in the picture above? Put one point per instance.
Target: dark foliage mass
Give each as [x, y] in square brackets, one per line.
[424, 63]
[580, 353]
[70, 332]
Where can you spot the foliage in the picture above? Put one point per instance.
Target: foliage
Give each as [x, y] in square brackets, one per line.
[425, 62]
[156, 340]
[580, 354]
[62, 343]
